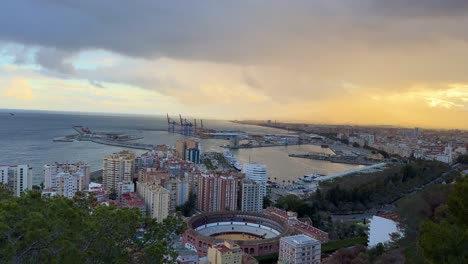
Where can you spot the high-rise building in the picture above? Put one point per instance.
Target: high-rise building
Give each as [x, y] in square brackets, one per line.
[193, 155]
[217, 192]
[299, 249]
[156, 200]
[18, 178]
[257, 173]
[182, 145]
[179, 192]
[208, 191]
[51, 171]
[68, 184]
[251, 197]
[4, 172]
[225, 253]
[228, 192]
[118, 167]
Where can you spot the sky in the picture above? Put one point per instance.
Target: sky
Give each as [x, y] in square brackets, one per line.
[365, 62]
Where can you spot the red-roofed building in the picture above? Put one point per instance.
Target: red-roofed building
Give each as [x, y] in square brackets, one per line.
[132, 200]
[301, 227]
[390, 216]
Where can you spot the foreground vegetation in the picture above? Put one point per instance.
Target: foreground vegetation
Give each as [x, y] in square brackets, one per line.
[432, 210]
[337, 244]
[359, 193]
[362, 192]
[444, 238]
[34, 229]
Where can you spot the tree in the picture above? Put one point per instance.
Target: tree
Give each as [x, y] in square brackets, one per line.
[446, 240]
[35, 229]
[267, 202]
[290, 202]
[463, 159]
[113, 194]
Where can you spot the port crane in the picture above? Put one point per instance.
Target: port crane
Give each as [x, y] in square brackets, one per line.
[171, 124]
[183, 126]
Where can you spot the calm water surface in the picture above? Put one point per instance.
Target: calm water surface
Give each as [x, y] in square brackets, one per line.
[26, 138]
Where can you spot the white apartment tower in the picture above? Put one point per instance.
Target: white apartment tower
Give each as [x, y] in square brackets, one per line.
[18, 178]
[251, 198]
[118, 167]
[257, 173]
[68, 184]
[51, 171]
[299, 249]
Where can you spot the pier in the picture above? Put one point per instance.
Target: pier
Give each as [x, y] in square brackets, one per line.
[124, 144]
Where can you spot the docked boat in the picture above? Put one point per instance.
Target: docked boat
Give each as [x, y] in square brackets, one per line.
[311, 177]
[232, 160]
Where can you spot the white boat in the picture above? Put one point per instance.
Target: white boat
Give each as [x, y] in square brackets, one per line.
[311, 177]
[238, 166]
[232, 160]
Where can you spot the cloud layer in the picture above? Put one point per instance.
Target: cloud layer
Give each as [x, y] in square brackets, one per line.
[314, 60]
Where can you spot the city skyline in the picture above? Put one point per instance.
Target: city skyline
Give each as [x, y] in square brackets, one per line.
[363, 63]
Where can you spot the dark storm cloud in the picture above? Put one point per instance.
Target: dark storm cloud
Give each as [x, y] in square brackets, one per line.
[223, 31]
[419, 7]
[54, 60]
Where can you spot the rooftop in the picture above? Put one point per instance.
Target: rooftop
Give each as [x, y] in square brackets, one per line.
[299, 239]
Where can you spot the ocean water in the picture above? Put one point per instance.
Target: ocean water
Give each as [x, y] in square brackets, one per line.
[26, 138]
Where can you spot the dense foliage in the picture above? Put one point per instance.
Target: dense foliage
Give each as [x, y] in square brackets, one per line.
[357, 193]
[34, 229]
[463, 159]
[444, 239]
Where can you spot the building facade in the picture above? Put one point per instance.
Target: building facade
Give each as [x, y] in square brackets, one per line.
[225, 253]
[217, 192]
[193, 155]
[68, 184]
[118, 167]
[299, 249]
[18, 178]
[251, 196]
[124, 188]
[52, 170]
[182, 145]
[257, 173]
[156, 200]
[179, 193]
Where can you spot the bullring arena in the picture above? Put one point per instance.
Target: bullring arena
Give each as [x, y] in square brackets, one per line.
[257, 234]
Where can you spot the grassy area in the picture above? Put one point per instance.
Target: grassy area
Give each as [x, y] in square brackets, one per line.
[335, 245]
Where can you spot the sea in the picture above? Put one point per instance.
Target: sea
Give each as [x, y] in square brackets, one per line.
[26, 137]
